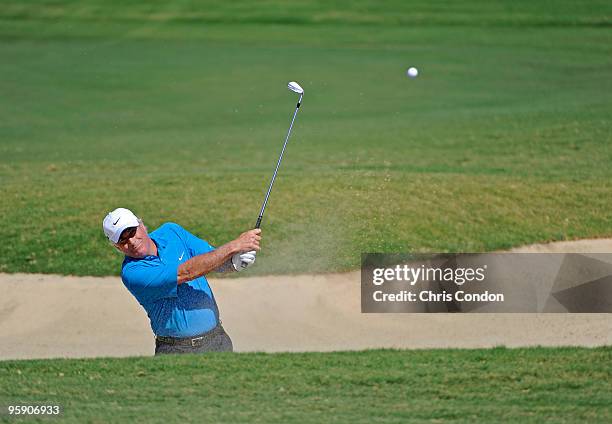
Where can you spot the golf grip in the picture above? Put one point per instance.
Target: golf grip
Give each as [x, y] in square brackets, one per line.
[244, 265]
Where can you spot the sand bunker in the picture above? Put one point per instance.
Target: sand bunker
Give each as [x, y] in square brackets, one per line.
[46, 316]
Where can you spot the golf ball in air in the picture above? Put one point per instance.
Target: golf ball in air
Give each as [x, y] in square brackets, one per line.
[412, 72]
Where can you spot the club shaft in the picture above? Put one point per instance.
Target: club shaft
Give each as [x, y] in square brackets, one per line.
[280, 158]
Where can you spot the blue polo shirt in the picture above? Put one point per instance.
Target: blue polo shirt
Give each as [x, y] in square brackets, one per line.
[184, 310]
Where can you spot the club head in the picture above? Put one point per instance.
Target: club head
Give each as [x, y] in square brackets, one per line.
[295, 87]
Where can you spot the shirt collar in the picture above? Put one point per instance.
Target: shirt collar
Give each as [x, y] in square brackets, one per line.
[159, 241]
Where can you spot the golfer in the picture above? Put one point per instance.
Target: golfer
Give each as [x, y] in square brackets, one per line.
[166, 272]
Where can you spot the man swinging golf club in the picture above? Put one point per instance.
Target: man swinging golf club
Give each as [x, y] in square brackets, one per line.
[166, 272]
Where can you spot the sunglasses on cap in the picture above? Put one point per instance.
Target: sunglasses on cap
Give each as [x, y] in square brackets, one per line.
[127, 234]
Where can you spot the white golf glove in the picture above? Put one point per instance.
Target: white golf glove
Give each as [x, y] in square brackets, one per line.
[244, 260]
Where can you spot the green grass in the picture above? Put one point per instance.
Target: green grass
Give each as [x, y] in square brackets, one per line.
[564, 385]
[178, 111]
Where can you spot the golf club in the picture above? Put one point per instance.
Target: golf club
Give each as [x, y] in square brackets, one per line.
[295, 87]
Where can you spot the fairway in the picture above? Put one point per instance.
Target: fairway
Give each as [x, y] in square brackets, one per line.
[499, 385]
[178, 112]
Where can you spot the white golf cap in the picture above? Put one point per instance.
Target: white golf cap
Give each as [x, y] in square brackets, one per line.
[118, 220]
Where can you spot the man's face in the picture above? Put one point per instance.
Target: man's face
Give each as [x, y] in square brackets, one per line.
[135, 242]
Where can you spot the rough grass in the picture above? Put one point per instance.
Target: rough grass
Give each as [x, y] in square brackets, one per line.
[343, 12]
[492, 385]
[178, 111]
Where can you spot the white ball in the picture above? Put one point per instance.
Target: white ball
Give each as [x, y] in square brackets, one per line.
[412, 72]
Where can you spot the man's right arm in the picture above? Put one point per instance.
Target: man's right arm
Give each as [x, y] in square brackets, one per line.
[203, 264]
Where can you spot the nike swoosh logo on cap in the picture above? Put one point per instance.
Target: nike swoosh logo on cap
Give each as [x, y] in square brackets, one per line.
[182, 254]
[115, 223]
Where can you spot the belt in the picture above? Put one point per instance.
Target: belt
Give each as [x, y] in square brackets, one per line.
[191, 341]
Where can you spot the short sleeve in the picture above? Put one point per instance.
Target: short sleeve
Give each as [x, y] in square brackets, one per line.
[151, 282]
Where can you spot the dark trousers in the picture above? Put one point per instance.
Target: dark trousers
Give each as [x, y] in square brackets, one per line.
[216, 340]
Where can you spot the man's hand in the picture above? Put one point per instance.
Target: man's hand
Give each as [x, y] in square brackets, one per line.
[247, 241]
[242, 261]
[246, 246]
